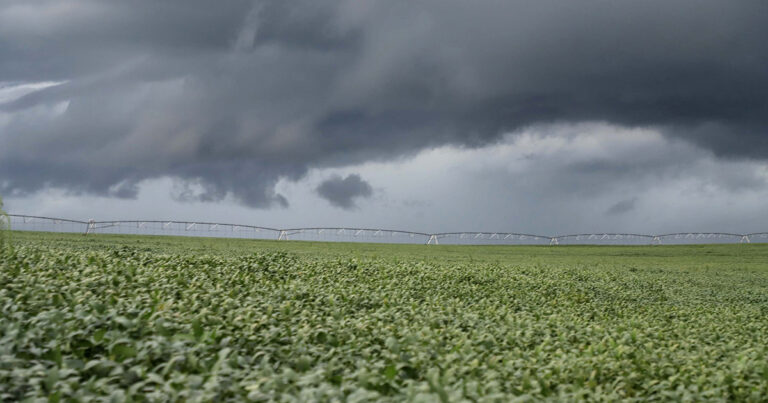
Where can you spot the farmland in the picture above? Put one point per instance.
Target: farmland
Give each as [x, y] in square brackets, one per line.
[191, 319]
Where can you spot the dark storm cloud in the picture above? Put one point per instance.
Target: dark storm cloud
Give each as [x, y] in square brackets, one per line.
[342, 192]
[232, 97]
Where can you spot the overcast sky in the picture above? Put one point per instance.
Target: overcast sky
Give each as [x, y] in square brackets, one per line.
[433, 115]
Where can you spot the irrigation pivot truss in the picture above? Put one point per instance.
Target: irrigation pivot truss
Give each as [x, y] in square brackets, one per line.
[375, 235]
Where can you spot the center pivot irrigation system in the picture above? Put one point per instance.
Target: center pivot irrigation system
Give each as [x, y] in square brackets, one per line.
[376, 235]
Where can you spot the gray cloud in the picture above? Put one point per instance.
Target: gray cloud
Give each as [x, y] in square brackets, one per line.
[622, 207]
[233, 98]
[343, 192]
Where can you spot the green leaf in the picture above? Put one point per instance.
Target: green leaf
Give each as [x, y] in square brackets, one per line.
[390, 372]
[197, 329]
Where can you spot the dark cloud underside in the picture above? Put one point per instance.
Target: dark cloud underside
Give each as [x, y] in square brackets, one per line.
[343, 192]
[234, 96]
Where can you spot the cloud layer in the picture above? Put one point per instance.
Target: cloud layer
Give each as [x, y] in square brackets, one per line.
[232, 98]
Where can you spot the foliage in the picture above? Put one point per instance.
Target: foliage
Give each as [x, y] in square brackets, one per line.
[87, 318]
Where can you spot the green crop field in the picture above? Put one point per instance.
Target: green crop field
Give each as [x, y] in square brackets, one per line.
[139, 318]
